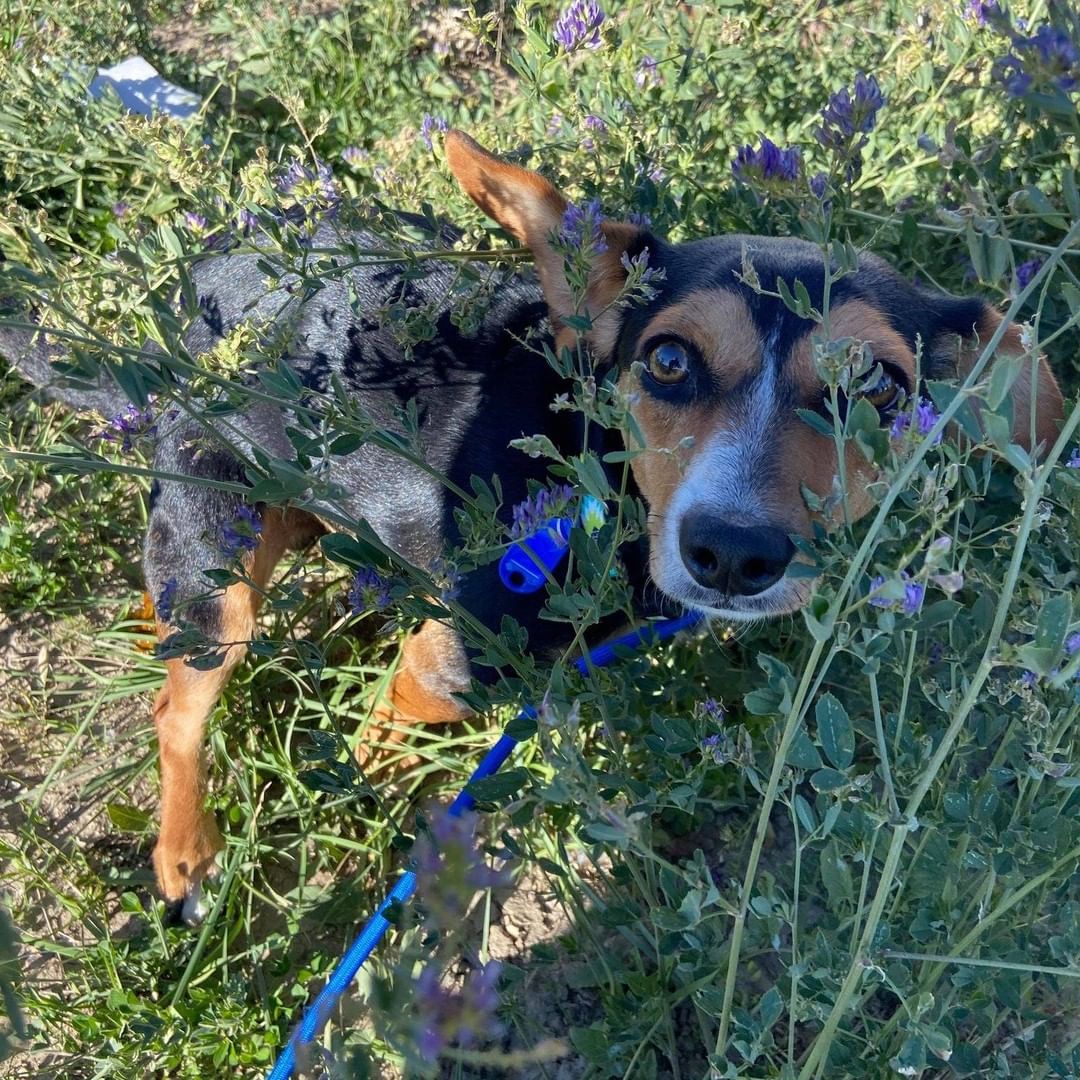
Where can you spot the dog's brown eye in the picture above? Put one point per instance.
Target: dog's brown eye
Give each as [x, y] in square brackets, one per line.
[884, 394]
[669, 363]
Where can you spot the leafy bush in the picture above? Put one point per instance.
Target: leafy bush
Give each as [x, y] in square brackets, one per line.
[846, 848]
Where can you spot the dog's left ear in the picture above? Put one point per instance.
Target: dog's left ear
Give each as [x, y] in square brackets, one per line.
[531, 209]
[964, 326]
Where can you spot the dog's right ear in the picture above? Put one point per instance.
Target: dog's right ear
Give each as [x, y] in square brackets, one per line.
[532, 210]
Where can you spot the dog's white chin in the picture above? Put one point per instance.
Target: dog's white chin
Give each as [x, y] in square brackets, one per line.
[783, 598]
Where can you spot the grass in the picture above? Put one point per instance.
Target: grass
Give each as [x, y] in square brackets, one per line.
[870, 867]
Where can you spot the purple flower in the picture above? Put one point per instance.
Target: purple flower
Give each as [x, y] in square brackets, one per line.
[309, 186]
[925, 417]
[1026, 271]
[246, 221]
[555, 124]
[125, 426]
[443, 1018]
[640, 219]
[369, 592]
[194, 221]
[241, 534]
[1049, 54]
[980, 12]
[1072, 644]
[581, 227]
[1074, 459]
[163, 605]
[447, 577]
[579, 26]
[1029, 679]
[767, 163]
[711, 709]
[595, 123]
[354, 155]
[648, 74]
[120, 210]
[532, 514]
[909, 604]
[431, 124]
[850, 116]
[639, 263]
[819, 184]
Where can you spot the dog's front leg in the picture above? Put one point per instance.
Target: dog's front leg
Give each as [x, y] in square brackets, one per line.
[432, 669]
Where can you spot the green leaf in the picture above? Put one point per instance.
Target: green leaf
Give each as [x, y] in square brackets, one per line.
[828, 780]
[835, 732]
[802, 753]
[591, 1043]
[500, 786]
[128, 818]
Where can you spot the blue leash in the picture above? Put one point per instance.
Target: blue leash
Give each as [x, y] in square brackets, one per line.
[342, 976]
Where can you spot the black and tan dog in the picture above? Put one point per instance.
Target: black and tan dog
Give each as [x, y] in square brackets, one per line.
[720, 363]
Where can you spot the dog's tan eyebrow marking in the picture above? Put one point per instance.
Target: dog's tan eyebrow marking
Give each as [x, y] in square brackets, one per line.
[861, 321]
[719, 323]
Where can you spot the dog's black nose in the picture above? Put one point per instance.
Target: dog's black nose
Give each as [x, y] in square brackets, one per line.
[737, 560]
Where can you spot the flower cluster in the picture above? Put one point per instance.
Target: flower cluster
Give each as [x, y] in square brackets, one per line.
[354, 155]
[594, 125]
[850, 115]
[443, 1018]
[648, 73]
[447, 577]
[1049, 56]
[369, 592]
[578, 27]
[128, 425]
[981, 12]
[309, 186]
[450, 869]
[912, 600]
[430, 124]
[922, 419]
[637, 267]
[580, 229]
[533, 513]
[1026, 271]
[241, 534]
[767, 163]
[1074, 459]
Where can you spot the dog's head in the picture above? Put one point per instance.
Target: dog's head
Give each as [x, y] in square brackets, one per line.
[724, 369]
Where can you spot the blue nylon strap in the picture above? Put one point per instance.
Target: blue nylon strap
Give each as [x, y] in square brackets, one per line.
[375, 929]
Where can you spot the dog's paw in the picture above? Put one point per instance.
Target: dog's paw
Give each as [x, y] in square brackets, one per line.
[182, 868]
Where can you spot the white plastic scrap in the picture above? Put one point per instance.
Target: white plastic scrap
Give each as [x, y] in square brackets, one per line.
[142, 90]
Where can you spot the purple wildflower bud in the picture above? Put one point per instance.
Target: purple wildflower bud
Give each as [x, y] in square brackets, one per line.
[555, 124]
[640, 219]
[1072, 644]
[581, 227]
[913, 597]
[163, 605]
[711, 709]
[246, 221]
[194, 221]
[878, 601]
[354, 155]
[294, 174]
[431, 124]
[767, 163]
[533, 514]
[1074, 459]
[447, 577]
[657, 175]
[1026, 271]
[588, 144]
[851, 115]
[1029, 679]
[578, 27]
[127, 425]
[1009, 71]
[819, 184]
[925, 417]
[120, 210]
[242, 533]
[639, 263]
[369, 592]
[648, 74]
[980, 12]
[925, 143]
[595, 123]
